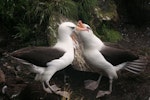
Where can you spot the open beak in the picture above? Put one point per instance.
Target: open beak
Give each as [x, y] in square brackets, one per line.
[81, 27]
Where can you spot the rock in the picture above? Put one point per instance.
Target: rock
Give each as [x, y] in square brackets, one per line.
[2, 77]
[107, 10]
[3, 86]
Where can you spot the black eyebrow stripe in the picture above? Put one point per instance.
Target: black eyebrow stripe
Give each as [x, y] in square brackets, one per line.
[71, 27]
[88, 28]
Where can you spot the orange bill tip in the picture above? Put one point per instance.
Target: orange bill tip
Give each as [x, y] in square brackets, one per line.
[80, 24]
[81, 27]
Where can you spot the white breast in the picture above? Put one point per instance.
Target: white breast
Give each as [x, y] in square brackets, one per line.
[96, 59]
[67, 58]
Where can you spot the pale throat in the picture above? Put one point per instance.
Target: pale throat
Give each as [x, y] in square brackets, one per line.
[65, 43]
[92, 42]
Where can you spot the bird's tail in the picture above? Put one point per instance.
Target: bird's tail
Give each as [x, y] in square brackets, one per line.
[136, 66]
[31, 67]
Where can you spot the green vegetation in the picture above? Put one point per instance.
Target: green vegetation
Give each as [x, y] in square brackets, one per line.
[29, 20]
[86, 9]
[35, 22]
[109, 34]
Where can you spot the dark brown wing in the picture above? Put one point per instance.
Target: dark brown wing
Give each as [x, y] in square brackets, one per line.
[38, 55]
[117, 56]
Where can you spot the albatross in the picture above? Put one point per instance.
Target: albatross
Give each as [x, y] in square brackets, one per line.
[46, 61]
[105, 60]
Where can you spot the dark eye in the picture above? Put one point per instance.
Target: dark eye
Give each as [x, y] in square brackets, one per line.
[72, 27]
[89, 28]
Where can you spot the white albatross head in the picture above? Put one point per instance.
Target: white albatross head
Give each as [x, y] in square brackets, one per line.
[66, 28]
[65, 32]
[84, 31]
[88, 38]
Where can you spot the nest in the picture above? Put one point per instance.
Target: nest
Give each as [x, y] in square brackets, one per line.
[79, 62]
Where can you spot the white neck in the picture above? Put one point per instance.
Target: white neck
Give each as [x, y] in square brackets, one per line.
[65, 43]
[91, 41]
